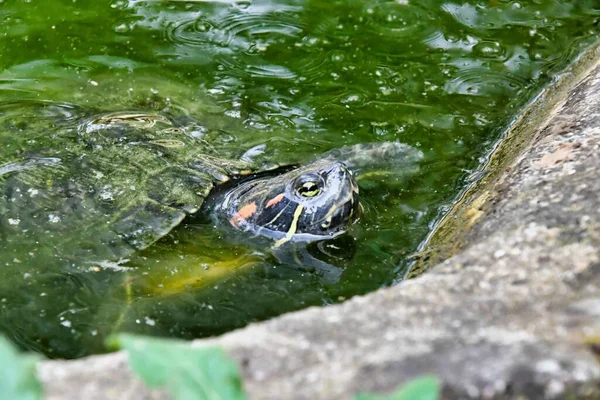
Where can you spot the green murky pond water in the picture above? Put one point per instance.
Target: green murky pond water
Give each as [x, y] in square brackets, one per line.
[299, 77]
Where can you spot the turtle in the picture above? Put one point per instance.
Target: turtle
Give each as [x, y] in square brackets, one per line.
[87, 195]
[115, 183]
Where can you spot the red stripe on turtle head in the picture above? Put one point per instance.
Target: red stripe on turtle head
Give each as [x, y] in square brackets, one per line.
[243, 213]
[275, 200]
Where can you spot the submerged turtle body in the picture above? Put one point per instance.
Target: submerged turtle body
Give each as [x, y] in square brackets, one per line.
[84, 197]
[116, 183]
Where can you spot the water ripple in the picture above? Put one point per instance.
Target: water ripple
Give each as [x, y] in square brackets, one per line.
[244, 31]
[27, 164]
[482, 82]
[243, 67]
[200, 32]
[239, 40]
[398, 20]
[55, 110]
[253, 25]
[504, 15]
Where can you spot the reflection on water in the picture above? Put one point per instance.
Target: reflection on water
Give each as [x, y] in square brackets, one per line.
[276, 81]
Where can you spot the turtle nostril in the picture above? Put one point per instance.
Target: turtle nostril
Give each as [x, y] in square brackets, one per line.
[338, 166]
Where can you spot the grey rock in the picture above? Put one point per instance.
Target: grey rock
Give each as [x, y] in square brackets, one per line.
[514, 315]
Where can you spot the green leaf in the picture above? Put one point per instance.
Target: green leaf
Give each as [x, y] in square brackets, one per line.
[188, 373]
[423, 388]
[18, 380]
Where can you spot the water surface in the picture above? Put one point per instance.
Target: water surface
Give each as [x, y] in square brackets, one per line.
[301, 78]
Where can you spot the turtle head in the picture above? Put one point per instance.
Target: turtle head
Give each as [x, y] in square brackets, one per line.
[317, 201]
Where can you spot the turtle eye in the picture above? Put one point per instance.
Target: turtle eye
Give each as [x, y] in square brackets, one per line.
[308, 189]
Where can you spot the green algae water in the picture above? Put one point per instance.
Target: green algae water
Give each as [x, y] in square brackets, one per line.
[286, 79]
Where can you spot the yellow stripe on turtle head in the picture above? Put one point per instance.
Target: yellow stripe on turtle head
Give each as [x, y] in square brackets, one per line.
[293, 226]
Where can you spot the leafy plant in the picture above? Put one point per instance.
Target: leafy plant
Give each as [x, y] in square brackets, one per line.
[423, 388]
[207, 373]
[18, 380]
[188, 373]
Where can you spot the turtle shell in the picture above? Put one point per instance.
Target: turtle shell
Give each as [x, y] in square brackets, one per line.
[102, 186]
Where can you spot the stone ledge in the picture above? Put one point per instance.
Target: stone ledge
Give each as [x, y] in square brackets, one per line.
[509, 317]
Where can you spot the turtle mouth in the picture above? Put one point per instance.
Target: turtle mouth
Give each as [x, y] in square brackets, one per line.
[337, 224]
[339, 216]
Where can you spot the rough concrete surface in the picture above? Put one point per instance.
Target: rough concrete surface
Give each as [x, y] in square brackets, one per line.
[512, 316]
